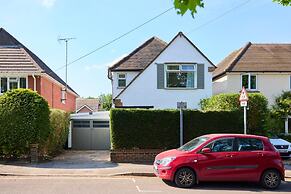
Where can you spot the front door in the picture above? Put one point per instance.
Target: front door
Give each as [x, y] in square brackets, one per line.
[218, 164]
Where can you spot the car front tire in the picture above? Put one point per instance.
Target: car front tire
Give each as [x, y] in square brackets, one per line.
[271, 179]
[185, 178]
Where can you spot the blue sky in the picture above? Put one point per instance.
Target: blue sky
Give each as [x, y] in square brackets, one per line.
[39, 23]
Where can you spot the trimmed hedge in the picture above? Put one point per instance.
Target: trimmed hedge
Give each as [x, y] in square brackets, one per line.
[159, 129]
[256, 114]
[59, 122]
[24, 120]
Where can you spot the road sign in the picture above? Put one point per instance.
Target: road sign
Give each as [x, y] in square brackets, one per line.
[243, 103]
[182, 105]
[243, 95]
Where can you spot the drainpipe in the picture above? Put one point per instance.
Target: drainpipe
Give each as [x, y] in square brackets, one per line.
[34, 82]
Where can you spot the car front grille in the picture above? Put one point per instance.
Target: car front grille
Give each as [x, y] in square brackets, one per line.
[281, 146]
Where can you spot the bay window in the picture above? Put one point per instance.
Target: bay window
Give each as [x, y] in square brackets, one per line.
[181, 76]
[10, 83]
[249, 81]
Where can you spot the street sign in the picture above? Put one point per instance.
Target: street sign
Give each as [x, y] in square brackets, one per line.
[182, 105]
[243, 95]
[243, 103]
[243, 98]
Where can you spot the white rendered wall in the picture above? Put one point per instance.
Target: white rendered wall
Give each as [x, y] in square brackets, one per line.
[129, 77]
[143, 91]
[270, 85]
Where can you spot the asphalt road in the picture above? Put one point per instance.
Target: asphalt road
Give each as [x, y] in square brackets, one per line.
[121, 185]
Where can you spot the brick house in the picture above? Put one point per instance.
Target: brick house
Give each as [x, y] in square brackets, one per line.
[21, 68]
[87, 105]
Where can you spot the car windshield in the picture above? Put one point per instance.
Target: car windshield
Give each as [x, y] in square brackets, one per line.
[191, 145]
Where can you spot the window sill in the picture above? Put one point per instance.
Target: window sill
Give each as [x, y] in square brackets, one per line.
[181, 88]
[121, 87]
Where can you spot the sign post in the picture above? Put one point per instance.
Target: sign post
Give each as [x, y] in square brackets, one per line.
[243, 98]
[181, 106]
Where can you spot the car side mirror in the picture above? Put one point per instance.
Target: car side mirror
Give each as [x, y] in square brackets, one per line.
[206, 150]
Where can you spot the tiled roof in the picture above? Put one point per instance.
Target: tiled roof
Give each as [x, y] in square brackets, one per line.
[257, 58]
[92, 103]
[140, 57]
[15, 57]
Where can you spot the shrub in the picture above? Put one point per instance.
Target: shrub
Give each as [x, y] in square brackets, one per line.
[279, 111]
[24, 120]
[256, 114]
[59, 122]
[159, 129]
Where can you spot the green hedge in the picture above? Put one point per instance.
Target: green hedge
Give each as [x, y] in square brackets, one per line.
[256, 114]
[59, 122]
[159, 129]
[24, 120]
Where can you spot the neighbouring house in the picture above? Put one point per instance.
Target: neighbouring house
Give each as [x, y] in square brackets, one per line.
[264, 68]
[87, 105]
[158, 75]
[21, 68]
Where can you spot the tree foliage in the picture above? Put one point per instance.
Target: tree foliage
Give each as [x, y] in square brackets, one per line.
[182, 6]
[105, 101]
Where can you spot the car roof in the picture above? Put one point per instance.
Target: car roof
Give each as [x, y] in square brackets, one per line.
[234, 135]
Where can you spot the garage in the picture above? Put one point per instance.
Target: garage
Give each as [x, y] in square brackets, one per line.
[89, 131]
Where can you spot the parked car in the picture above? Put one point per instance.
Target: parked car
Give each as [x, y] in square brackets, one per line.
[222, 157]
[283, 146]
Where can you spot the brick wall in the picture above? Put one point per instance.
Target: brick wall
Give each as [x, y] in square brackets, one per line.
[52, 92]
[135, 155]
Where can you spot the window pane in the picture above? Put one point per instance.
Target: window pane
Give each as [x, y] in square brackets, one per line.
[121, 75]
[3, 84]
[81, 124]
[100, 124]
[249, 144]
[253, 82]
[173, 67]
[13, 84]
[22, 82]
[187, 67]
[180, 80]
[223, 145]
[245, 81]
[121, 83]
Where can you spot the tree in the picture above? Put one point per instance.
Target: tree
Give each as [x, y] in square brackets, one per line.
[279, 112]
[182, 6]
[105, 101]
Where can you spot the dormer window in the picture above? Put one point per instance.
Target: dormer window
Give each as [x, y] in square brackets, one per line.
[121, 80]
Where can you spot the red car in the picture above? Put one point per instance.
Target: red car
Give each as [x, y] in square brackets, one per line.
[222, 157]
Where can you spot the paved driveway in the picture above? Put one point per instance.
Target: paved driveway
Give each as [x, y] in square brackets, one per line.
[72, 159]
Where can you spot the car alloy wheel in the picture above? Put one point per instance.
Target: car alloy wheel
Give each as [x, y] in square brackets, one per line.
[185, 178]
[271, 179]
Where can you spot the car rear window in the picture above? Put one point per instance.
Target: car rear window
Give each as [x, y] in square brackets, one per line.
[249, 144]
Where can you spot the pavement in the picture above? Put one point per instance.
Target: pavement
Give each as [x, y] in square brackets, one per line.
[84, 164]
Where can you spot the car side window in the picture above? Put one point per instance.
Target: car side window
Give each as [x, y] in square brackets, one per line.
[221, 145]
[249, 144]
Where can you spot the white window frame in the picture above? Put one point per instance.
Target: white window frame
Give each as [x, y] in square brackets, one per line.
[63, 95]
[249, 84]
[180, 70]
[118, 78]
[290, 82]
[18, 81]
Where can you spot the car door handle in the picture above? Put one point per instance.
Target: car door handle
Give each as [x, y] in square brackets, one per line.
[229, 155]
[260, 154]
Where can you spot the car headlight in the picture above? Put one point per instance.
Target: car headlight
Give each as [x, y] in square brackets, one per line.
[166, 161]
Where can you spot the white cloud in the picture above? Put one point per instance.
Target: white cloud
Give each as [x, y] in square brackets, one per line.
[47, 3]
[104, 65]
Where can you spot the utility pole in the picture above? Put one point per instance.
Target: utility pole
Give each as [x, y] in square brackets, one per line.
[66, 40]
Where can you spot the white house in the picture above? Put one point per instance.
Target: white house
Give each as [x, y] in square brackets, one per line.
[158, 75]
[264, 68]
